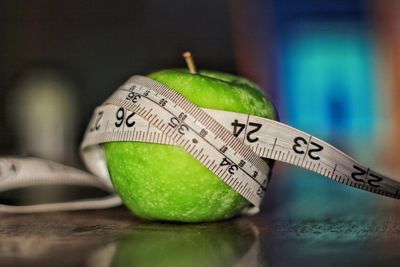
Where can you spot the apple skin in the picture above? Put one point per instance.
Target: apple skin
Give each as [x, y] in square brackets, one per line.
[164, 182]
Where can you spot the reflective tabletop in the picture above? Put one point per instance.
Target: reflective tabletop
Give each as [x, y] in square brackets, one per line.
[306, 220]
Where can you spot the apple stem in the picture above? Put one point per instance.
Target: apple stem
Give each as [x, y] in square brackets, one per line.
[189, 61]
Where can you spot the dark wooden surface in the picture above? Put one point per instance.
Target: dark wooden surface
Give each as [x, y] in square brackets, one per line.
[306, 221]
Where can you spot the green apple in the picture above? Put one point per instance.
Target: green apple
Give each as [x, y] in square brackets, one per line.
[163, 182]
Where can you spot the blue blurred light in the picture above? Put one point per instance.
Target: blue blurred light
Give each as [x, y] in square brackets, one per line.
[327, 80]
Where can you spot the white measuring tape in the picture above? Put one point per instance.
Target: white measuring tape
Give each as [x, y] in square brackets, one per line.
[18, 173]
[229, 144]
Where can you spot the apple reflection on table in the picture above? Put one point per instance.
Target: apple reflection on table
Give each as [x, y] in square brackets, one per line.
[229, 243]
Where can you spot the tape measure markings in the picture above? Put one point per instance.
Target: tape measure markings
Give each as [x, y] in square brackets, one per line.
[211, 165]
[229, 144]
[284, 143]
[198, 115]
[153, 110]
[205, 119]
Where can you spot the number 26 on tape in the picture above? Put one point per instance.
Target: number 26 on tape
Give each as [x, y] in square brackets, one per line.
[124, 116]
[311, 149]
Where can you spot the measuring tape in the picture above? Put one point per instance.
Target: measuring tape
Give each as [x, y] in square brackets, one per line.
[16, 173]
[229, 144]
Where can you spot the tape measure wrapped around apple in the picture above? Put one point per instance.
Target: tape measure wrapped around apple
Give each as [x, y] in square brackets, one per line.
[164, 182]
[186, 146]
[201, 144]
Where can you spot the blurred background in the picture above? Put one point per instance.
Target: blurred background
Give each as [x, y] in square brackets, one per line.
[331, 67]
